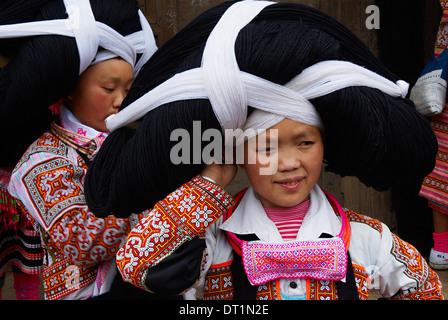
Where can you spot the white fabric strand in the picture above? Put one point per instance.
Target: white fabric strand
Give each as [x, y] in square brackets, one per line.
[87, 37]
[182, 86]
[289, 101]
[262, 94]
[90, 35]
[221, 73]
[231, 91]
[146, 44]
[138, 42]
[328, 76]
[37, 28]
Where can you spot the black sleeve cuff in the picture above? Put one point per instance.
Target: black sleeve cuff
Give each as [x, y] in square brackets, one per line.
[179, 271]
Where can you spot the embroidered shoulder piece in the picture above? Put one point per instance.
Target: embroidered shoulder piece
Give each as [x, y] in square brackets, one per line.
[181, 216]
[54, 186]
[355, 217]
[48, 182]
[47, 142]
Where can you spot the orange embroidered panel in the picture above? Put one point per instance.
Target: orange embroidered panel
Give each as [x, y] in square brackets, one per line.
[63, 278]
[327, 290]
[86, 239]
[181, 216]
[428, 285]
[268, 291]
[355, 217]
[46, 143]
[219, 285]
[54, 186]
[219, 282]
[321, 290]
[362, 282]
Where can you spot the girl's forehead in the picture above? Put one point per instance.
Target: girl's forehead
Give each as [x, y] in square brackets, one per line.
[288, 127]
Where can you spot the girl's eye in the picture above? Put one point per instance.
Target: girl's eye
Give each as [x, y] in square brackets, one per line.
[265, 150]
[108, 89]
[306, 143]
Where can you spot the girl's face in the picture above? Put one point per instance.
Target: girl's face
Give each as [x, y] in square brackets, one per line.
[100, 91]
[299, 152]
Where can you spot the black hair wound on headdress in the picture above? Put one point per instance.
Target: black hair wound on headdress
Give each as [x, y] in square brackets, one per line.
[43, 69]
[380, 139]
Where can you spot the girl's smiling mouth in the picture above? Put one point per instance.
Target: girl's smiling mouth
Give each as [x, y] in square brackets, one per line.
[290, 183]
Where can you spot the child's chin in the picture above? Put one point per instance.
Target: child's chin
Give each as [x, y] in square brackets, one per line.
[289, 203]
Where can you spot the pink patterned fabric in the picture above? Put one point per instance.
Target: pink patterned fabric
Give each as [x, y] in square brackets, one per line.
[322, 259]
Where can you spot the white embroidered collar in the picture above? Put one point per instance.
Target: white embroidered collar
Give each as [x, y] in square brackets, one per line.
[71, 123]
[250, 218]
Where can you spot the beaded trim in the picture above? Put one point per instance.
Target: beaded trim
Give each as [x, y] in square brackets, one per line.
[78, 142]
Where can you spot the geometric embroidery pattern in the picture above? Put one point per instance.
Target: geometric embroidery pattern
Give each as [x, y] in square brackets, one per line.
[408, 255]
[442, 35]
[267, 291]
[434, 187]
[219, 283]
[75, 241]
[53, 187]
[320, 259]
[218, 277]
[46, 143]
[362, 282]
[62, 277]
[181, 216]
[355, 217]
[87, 239]
[428, 285]
[321, 290]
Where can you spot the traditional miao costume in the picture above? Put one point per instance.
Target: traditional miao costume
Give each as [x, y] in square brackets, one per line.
[435, 185]
[203, 243]
[20, 245]
[48, 181]
[233, 268]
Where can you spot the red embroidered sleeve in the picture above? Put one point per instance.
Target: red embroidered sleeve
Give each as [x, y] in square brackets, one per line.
[181, 216]
[428, 285]
[88, 240]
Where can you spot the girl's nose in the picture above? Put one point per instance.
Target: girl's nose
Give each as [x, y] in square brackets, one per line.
[288, 161]
[120, 95]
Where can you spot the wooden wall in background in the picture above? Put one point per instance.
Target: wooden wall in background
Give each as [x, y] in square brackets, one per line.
[168, 16]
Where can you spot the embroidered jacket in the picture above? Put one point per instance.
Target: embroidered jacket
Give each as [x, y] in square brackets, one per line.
[184, 249]
[79, 248]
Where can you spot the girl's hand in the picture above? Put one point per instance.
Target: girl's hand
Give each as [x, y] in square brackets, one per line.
[222, 174]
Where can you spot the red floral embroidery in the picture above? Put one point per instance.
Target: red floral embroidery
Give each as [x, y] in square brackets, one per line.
[181, 216]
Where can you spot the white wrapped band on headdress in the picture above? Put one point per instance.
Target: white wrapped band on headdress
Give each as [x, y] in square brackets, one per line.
[231, 91]
[90, 35]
